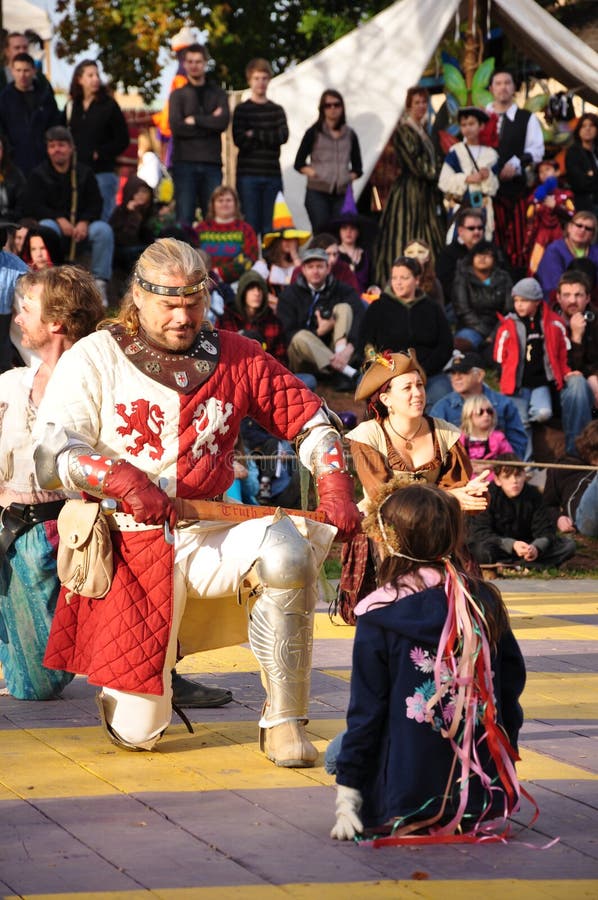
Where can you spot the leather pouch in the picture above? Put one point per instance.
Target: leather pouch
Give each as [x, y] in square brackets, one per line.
[84, 562]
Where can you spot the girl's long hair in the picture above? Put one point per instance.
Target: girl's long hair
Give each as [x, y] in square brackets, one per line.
[76, 90]
[425, 525]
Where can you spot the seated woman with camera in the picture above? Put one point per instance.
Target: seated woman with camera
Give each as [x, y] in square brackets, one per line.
[466, 177]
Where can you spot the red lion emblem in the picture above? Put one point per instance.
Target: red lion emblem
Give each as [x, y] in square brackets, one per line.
[148, 421]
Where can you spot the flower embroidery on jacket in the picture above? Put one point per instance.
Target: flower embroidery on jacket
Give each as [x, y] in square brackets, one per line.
[440, 716]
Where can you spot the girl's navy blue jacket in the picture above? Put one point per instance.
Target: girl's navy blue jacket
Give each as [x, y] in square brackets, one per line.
[389, 753]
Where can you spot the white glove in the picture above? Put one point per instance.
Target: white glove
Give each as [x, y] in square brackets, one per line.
[348, 805]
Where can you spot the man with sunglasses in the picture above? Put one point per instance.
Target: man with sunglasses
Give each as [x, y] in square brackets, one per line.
[578, 243]
[467, 380]
[469, 230]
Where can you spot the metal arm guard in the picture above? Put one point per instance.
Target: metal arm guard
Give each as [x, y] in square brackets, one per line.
[327, 455]
[86, 468]
[281, 622]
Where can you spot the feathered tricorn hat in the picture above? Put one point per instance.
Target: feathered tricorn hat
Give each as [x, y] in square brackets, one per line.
[383, 367]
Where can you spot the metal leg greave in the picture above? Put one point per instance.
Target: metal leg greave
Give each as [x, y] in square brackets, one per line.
[281, 637]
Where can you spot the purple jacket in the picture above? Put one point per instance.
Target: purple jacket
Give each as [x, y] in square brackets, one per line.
[554, 262]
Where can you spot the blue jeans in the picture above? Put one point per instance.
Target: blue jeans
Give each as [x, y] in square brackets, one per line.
[534, 405]
[577, 401]
[101, 239]
[474, 337]
[437, 387]
[257, 194]
[332, 751]
[586, 517]
[321, 208]
[194, 184]
[108, 185]
[310, 381]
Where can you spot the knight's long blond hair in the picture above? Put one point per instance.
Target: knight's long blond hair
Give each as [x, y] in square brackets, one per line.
[166, 256]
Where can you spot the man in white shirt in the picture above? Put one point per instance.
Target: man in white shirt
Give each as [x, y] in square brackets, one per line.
[58, 306]
[520, 144]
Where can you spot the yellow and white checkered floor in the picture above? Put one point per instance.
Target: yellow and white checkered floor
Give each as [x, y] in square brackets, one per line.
[207, 816]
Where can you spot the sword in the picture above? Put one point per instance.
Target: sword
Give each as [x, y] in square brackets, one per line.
[213, 510]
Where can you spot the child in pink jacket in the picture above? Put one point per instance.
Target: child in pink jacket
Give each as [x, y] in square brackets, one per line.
[480, 436]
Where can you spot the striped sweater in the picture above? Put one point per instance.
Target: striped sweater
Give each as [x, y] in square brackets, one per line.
[231, 246]
[259, 154]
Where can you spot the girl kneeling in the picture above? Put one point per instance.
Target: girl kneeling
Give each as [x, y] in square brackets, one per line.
[434, 714]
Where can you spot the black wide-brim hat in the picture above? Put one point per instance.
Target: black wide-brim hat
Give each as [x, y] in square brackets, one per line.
[480, 114]
[367, 227]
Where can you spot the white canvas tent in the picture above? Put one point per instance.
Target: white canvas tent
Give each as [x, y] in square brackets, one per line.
[17, 15]
[374, 65]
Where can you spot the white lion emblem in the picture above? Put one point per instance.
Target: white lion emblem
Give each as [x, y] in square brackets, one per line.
[209, 420]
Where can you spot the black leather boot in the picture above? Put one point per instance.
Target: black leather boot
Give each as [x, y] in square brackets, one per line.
[193, 695]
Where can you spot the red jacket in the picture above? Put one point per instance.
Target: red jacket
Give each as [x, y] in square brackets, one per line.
[509, 347]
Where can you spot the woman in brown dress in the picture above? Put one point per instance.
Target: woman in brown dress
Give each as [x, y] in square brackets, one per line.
[415, 205]
[402, 444]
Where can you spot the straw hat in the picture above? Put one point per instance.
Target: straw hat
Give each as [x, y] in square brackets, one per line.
[384, 367]
[283, 225]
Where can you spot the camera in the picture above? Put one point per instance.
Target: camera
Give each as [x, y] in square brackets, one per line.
[589, 315]
[325, 311]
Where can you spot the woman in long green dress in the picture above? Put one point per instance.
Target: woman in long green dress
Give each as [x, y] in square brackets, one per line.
[414, 207]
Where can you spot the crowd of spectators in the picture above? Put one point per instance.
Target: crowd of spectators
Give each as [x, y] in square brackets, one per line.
[483, 261]
[479, 275]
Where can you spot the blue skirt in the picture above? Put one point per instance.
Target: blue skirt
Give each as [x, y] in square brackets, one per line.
[29, 590]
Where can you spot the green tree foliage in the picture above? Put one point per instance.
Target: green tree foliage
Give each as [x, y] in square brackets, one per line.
[130, 33]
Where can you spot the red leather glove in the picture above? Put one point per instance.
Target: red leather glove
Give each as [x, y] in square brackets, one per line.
[141, 497]
[335, 490]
